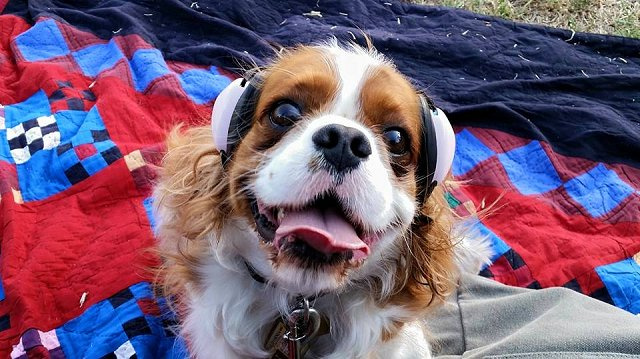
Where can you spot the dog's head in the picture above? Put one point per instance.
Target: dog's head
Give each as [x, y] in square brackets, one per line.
[329, 159]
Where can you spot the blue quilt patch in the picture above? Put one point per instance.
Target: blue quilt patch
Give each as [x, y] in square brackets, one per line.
[97, 58]
[5, 154]
[203, 86]
[86, 132]
[148, 207]
[622, 280]
[599, 190]
[530, 169]
[42, 176]
[470, 151]
[35, 106]
[146, 66]
[42, 42]
[69, 123]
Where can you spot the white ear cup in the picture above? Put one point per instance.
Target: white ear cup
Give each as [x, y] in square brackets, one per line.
[446, 144]
[223, 111]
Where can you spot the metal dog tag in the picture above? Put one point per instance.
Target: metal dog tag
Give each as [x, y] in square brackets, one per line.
[292, 340]
[303, 328]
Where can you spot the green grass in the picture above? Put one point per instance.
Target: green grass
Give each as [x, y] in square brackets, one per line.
[615, 17]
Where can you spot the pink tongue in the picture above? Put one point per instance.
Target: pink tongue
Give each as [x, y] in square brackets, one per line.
[324, 230]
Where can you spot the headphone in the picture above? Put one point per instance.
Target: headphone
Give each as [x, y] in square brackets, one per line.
[234, 109]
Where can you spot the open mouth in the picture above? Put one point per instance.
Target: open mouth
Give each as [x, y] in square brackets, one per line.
[320, 232]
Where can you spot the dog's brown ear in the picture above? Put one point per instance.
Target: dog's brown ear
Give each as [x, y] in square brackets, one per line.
[429, 271]
[191, 202]
[192, 189]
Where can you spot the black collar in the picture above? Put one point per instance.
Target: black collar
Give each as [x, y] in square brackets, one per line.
[254, 274]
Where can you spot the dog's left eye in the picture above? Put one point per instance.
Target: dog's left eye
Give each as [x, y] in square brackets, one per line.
[397, 141]
[285, 114]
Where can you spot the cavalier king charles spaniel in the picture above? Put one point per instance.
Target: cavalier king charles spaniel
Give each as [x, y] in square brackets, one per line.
[309, 219]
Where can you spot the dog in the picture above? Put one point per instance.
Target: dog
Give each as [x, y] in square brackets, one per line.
[310, 218]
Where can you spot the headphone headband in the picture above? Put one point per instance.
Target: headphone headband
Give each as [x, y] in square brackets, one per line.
[234, 109]
[428, 152]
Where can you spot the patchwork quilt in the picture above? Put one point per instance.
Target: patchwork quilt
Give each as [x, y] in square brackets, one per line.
[547, 126]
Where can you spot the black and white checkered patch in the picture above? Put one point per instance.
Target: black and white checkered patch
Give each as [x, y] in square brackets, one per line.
[31, 136]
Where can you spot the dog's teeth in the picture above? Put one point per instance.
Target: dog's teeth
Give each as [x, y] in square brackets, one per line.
[280, 215]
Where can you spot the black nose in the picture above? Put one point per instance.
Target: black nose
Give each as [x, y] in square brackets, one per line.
[343, 147]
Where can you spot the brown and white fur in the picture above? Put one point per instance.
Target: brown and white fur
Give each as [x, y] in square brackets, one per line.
[207, 229]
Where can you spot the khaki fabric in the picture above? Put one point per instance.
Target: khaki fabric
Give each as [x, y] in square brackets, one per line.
[486, 319]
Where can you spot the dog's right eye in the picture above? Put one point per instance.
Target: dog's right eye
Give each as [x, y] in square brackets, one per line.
[285, 114]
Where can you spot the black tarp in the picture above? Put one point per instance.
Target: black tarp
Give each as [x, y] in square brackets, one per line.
[579, 92]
